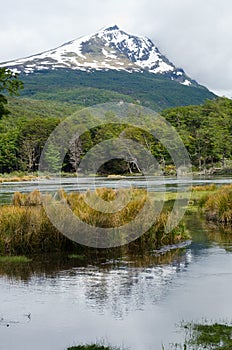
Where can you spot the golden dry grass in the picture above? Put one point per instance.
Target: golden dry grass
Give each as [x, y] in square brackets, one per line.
[218, 205]
[211, 187]
[25, 227]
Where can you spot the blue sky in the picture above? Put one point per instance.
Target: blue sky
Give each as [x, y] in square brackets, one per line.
[194, 34]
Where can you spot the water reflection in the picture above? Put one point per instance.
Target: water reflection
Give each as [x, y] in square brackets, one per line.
[220, 234]
[127, 298]
[53, 265]
[132, 285]
[113, 287]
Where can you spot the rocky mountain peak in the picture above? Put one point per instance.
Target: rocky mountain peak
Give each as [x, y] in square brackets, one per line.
[108, 49]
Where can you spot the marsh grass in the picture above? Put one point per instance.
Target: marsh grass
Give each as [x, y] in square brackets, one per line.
[25, 227]
[19, 176]
[218, 205]
[211, 187]
[32, 199]
[100, 218]
[76, 256]
[14, 259]
[198, 336]
[94, 347]
[208, 336]
[154, 238]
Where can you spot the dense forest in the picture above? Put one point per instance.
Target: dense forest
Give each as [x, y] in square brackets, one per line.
[206, 131]
[87, 89]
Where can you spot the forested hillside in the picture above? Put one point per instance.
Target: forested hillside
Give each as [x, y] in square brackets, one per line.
[206, 131]
[149, 90]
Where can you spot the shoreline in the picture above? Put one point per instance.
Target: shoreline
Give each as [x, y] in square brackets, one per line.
[27, 177]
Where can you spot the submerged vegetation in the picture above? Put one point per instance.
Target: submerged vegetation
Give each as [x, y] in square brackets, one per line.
[25, 227]
[93, 347]
[199, 336]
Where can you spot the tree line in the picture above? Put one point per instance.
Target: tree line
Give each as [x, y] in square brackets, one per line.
[206, 131]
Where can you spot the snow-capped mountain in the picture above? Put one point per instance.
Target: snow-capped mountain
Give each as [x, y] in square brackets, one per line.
[108, 49]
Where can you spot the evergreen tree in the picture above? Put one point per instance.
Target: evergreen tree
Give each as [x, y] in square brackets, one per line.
[9, 83]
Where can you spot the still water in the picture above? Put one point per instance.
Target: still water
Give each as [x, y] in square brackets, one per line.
[132, 301]
[151, 183]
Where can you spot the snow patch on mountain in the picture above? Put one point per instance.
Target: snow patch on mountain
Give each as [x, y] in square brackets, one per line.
[109, 48]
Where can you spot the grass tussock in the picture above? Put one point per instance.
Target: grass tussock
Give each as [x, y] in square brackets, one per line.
[154, 238]
[101, 217]
[25, 227]
[211, 187]
[218, 205]
[32, 199]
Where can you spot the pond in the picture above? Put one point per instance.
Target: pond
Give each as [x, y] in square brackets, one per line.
[132, 301]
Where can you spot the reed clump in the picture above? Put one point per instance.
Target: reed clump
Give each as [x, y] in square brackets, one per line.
[218, 205]
[25, 227]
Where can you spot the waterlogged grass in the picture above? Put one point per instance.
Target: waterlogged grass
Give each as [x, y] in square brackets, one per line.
[19, 176]
[218, 205]
[93, 347]
[25, 227]
[76, 256]
[14, 259]
[199, 336]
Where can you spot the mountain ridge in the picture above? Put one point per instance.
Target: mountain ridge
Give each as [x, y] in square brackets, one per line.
[106, 66]
[110, 48]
